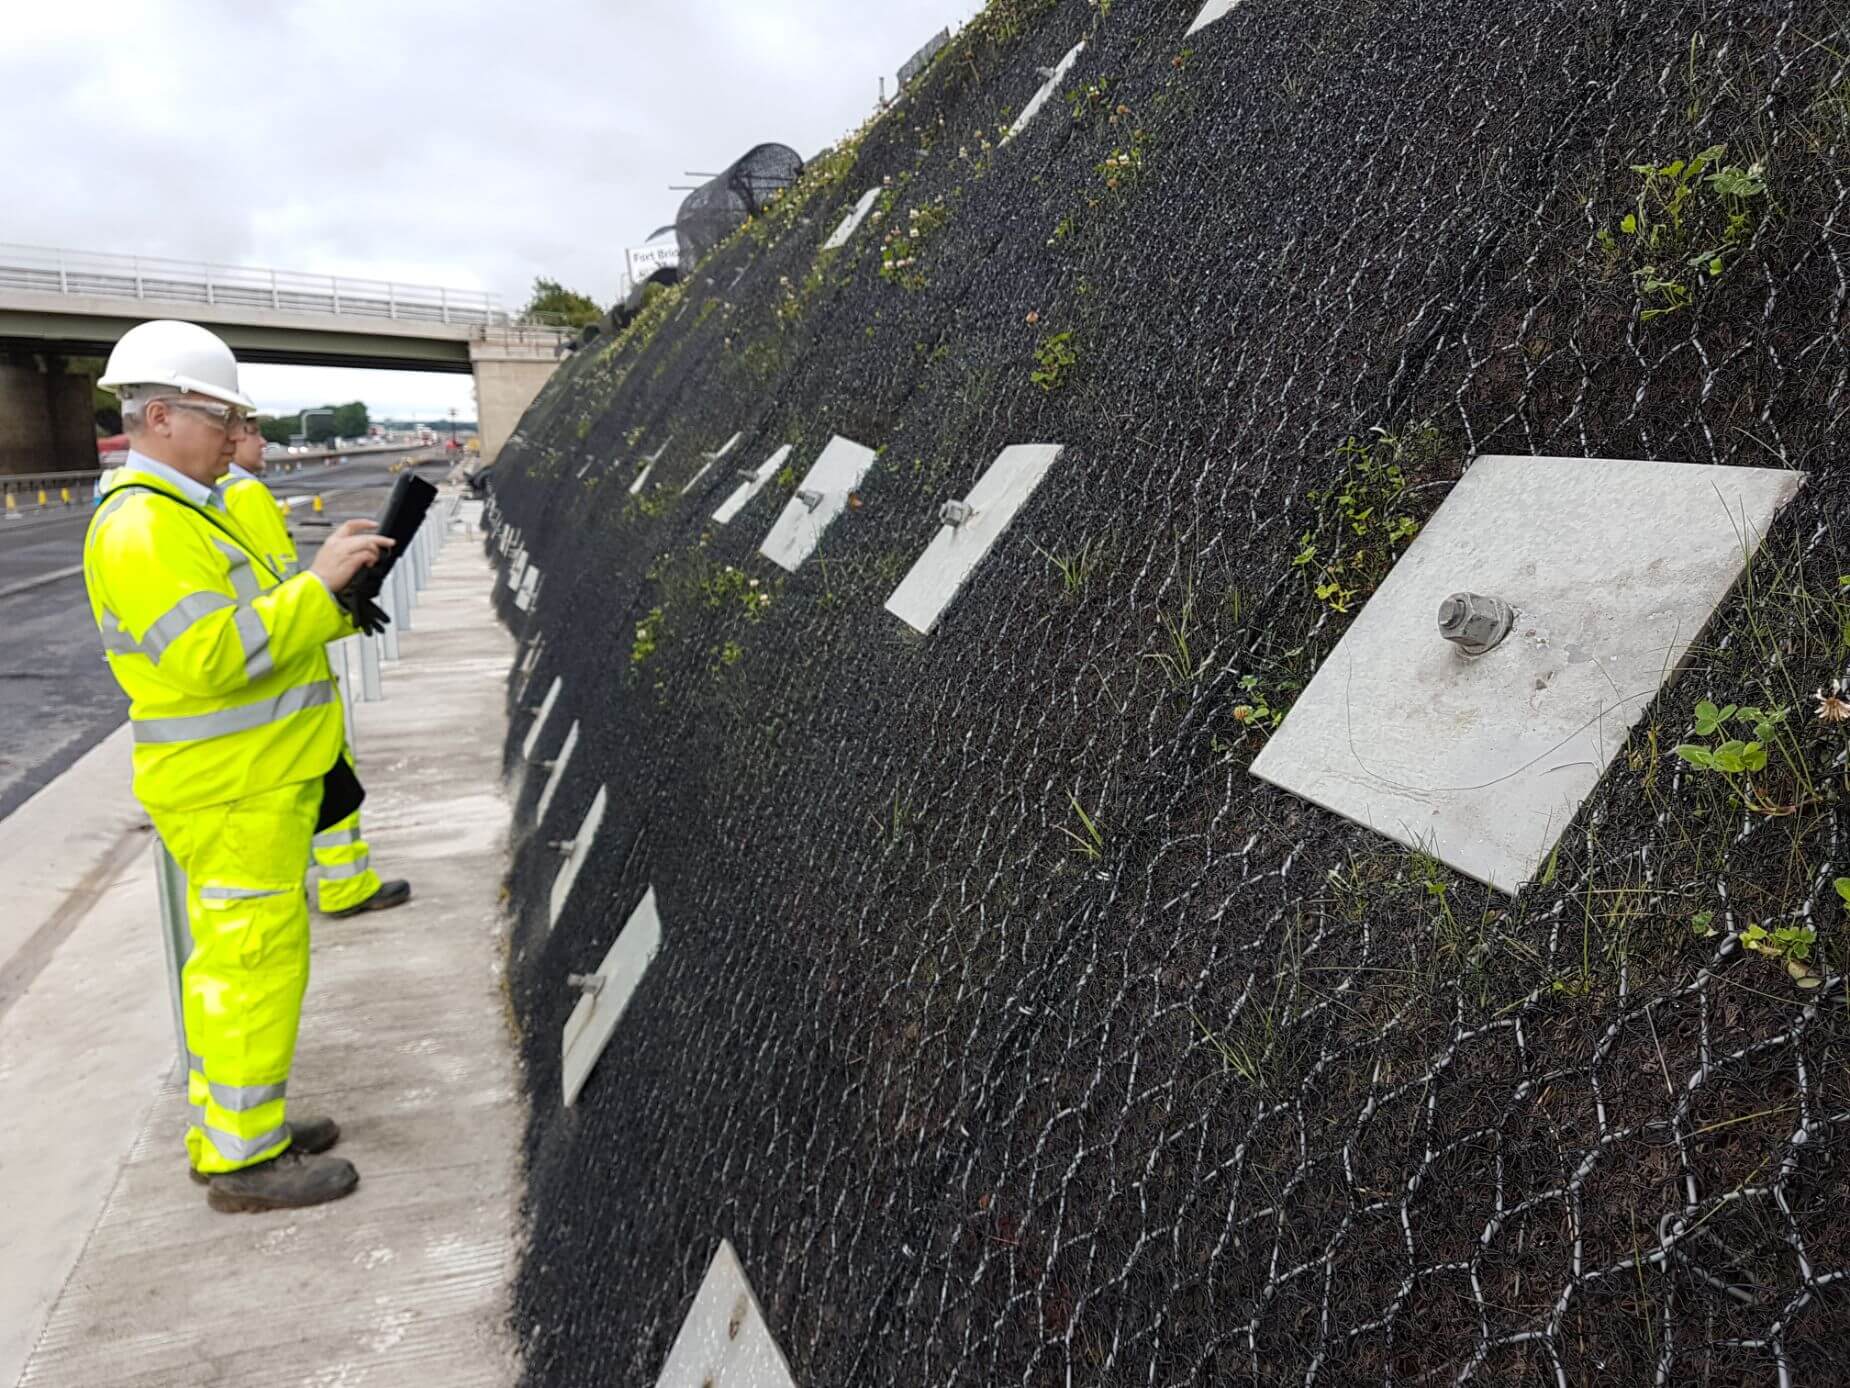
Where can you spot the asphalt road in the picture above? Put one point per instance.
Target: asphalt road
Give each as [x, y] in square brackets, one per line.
[57, 698]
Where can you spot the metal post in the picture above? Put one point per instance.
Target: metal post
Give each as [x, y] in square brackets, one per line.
[275, 299]
[176, 938]
[370, 688]
[64, 279]
[443, 297]
[209, 298]
[388, 639]
[338, 657]
[402, 594]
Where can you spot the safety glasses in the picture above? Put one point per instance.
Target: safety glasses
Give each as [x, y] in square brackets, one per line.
[230, 418]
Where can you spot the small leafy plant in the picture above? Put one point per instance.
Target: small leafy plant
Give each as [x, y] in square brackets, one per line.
[648, 636]
[1690, 219]
[1791, 945]
[1124, 165]
[1365, 523]
[1256, 714]
[1054, 361]
[900, 248]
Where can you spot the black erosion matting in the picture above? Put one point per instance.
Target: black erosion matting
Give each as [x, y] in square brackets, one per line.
[1010, 1030]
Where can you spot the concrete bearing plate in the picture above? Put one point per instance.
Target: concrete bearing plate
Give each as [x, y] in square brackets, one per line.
[1213, 10]
[529, 587]
[539, 719]
[557, 774]
[751, 486]
[852, 222]
[1613, 568]
[575, 858]
[1045, 94]
[828, 484]
[953, 555]
[724, 1342]
[594, 1020]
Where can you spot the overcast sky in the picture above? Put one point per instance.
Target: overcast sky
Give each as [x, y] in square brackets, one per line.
[464, 143]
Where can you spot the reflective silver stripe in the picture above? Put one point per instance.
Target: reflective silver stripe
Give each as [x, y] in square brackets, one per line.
[254, 637]
[233, 1148]
[242, 576]
[241, 719]
[167, 628]
[337, 871]
[336, 838]
[196, 1061]
[117, 641]
[237, 893]
[110, 507]
[199, 1115]
[177, 620]
[237, 1098]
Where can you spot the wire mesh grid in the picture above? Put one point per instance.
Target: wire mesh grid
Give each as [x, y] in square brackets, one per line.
[1011, 1031]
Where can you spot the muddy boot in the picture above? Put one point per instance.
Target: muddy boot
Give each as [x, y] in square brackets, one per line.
[390, 894]
[286, 1182]
[306, 1135]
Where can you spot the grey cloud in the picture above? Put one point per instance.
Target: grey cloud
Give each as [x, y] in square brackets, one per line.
[478, 145]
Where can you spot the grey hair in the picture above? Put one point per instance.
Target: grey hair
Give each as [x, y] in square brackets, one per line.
[135, 401]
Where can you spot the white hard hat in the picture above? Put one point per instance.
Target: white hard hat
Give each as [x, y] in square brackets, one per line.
[183, 356]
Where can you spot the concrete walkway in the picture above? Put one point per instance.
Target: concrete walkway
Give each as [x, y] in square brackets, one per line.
[112, 1268]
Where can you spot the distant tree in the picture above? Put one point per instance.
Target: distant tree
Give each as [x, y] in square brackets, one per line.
[350, 420]
[549, 296]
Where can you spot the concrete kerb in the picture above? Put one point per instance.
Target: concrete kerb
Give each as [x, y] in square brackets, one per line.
[406, 1280]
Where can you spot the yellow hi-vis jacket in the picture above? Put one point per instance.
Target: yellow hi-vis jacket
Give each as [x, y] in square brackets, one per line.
[255, 510]
[223, 661]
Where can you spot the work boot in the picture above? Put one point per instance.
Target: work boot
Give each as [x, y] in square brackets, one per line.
[306, 1135]
[286, 1182]
[390, 894]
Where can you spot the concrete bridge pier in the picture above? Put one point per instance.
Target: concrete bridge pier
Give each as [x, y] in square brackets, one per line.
[509, 373]
[47, 421]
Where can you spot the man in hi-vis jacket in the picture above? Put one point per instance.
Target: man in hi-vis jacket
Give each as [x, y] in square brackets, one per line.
[235, 722]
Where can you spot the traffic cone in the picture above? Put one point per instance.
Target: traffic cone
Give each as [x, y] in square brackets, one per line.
[41, 498]
[12, 507]
[317, 504]
[64, 495]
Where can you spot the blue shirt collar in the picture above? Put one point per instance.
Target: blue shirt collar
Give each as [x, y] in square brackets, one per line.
[238, 474]
[195, 492]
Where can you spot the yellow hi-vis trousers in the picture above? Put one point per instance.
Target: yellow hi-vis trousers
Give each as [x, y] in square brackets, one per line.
[347, 876]
[242, 986]
[346, 863]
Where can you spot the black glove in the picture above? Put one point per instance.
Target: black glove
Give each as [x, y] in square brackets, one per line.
[367, 615]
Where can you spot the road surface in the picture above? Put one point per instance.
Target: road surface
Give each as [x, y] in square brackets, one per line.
[57, 699]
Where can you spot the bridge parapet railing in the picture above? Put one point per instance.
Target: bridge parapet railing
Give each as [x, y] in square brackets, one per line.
[46, 270]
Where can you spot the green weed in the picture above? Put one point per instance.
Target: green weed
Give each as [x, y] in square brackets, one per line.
[1054, 361]
[1689, 220]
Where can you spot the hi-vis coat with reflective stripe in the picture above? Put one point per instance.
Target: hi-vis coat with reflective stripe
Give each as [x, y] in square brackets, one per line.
[225, 667]
[255, 512]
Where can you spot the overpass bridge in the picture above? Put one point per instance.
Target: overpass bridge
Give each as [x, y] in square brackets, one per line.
[60, 304]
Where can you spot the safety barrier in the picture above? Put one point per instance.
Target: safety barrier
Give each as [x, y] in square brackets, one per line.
[358, 664]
